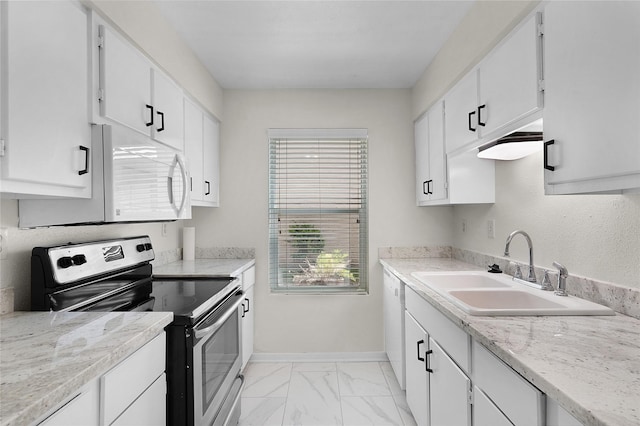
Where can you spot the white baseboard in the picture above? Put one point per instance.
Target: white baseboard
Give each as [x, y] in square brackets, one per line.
[320, 357]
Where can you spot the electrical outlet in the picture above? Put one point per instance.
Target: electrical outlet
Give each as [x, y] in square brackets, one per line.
[491, 228]
[4, 243]
[164, 229]
[464, 225]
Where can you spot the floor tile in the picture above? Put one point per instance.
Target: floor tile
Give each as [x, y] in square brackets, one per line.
[362, 379]
[370, 410]
[267, 380]
[262, 411]
[314, 366]
[313, 399]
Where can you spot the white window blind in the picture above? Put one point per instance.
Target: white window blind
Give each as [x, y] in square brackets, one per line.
[318, 210]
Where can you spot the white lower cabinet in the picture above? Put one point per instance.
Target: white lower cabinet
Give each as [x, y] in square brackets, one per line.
[417, 379]
[134, 392]
[438, 389]
[452, 380]
[393, 313]
[485, 411]
[248, 314]
[520, 401]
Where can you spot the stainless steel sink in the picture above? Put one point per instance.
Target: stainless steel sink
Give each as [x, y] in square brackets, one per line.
[485, 294]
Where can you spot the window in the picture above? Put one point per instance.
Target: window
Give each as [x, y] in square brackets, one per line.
[318, 232]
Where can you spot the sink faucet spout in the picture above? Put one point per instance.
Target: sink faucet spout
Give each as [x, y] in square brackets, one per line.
[532, 275]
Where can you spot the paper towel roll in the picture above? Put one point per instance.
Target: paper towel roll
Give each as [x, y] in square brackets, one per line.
[188, 243]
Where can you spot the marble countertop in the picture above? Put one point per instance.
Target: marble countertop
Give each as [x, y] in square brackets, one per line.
[47, 356]
[589, 365]
[203, 268]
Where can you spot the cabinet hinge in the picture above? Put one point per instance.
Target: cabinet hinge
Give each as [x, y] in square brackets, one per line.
[540, 29]
[100, 95]
[540, 85]
[470, 395]
[100, 42]
[1, 147]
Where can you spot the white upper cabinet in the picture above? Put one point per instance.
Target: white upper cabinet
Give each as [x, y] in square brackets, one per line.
[592, 97]
[45, 138]
[135, 93]
[502, 94]
[509, 79]
[211, 159]
[202, 145]
[431, 171]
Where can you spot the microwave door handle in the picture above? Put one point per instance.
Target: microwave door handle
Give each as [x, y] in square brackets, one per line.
[177, 161]
[185, 178]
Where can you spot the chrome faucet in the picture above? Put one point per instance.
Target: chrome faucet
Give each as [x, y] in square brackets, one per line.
[562, 279]
[532, 275]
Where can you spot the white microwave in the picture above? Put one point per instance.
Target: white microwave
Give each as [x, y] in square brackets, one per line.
[134, 179]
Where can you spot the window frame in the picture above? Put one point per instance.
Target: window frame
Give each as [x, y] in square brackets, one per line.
[362, 212]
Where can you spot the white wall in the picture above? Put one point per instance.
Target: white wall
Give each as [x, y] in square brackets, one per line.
[294, 324]
[593, 236]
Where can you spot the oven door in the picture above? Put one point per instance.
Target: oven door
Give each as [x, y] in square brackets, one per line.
[217, 361]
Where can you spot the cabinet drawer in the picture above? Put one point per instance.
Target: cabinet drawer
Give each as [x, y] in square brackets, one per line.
[149, 409]
[248, 278]
[518, 399]
[129, 379]
[452, 338]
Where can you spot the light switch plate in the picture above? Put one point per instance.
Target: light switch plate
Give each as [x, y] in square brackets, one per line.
[491, 228]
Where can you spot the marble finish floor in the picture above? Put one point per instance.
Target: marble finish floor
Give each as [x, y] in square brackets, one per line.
[323, 393]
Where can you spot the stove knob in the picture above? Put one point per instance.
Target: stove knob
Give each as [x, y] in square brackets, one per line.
[79, 259]
[65, 262]
[140, 248]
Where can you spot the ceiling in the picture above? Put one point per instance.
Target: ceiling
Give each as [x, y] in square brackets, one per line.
[315, 44]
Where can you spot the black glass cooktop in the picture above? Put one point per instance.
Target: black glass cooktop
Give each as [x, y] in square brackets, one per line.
[190, 300]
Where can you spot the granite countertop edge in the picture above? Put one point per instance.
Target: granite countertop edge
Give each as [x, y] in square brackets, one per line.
[204, 268]
[540, 371]
[41, 347]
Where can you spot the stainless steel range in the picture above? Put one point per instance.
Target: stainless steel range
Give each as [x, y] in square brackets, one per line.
[203, 341]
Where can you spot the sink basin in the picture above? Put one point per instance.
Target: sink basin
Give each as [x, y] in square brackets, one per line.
[485, 294]
[462, 280]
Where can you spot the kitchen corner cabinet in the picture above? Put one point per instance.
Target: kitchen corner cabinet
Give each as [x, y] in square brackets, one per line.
[45, 138]
[393, 315]
[131, 393]
[592, 97]
[501, 94]
[431, 173]
[248, 314]
[135, 93]
[202, 148]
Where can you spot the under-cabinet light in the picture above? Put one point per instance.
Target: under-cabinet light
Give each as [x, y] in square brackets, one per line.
[512, 147]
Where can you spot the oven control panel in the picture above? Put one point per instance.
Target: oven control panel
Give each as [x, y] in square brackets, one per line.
[73, 262]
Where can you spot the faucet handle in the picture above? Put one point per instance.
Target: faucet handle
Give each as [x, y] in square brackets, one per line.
[546, 282]
[518, 272]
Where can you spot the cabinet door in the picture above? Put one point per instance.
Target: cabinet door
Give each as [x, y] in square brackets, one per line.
[449, 390]
[193, 137]
[211, 161]
[125, 82]
[472, 180]
[509, 79]
[167, 99]
[248, 318]
[421, 141]
[437, 158]
[82, 410]
[461, 112]
[592, 96]
[417, 384]
[45, 99]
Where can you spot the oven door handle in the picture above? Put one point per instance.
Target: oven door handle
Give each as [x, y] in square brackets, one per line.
[203, 332]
